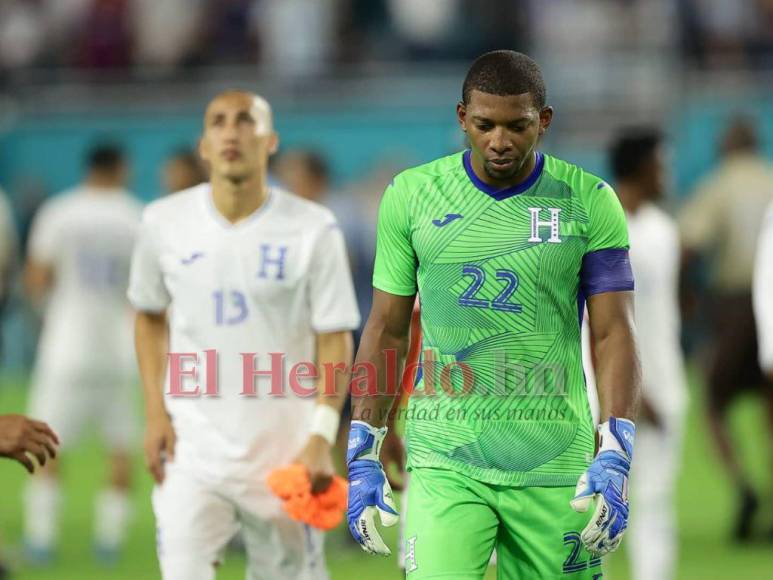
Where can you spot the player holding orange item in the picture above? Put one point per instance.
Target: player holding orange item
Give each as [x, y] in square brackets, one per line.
[323, 510]
[235, 266]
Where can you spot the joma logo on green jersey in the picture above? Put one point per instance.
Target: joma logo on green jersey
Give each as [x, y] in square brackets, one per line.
[553, 223]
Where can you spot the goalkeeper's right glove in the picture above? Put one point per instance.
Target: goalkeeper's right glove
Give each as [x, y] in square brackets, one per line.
[369, 490]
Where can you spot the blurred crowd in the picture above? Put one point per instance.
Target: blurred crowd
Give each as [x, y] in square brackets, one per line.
[298, 37]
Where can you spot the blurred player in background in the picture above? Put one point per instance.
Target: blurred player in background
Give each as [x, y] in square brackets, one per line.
[763, 301]
[12, 446]
[77, 269]
[498, 241]
[637, 160]
[9, 247]
[763, 297]
[19, 435]
[722, 222]
[238, 266]
[306, 173]
[183, 170]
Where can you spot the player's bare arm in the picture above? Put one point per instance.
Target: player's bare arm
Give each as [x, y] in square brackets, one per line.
[617, 363]
[21, 435]
[333, 349]
[604, 485]
[387, 328]
[150, 342]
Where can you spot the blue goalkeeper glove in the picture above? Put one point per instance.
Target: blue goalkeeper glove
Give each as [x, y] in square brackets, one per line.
[369, 490]
[606, 482]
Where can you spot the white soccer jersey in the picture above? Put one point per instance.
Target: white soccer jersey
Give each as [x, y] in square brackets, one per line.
[268, 284]
[763, 293]
[87, 237]
[654, 255]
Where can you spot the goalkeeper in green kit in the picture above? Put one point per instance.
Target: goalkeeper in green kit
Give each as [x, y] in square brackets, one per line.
[505, 245]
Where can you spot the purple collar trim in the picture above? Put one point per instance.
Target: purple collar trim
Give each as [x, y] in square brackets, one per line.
[500, 194]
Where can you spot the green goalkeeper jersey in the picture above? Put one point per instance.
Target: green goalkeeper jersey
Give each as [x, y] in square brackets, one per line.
[501, 277]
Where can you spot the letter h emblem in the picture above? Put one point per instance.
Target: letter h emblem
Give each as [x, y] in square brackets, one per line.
[553, 223]
[274, 258]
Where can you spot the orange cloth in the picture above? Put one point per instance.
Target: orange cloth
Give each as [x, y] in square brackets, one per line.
[323, 510]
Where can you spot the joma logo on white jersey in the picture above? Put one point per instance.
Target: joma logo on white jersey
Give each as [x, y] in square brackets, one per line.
[553, 223]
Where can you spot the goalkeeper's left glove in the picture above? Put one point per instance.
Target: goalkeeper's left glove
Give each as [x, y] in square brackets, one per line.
[606, 481]
[369, 490]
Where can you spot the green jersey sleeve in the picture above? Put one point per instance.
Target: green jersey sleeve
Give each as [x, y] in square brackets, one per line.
[396, 262]
[607, 225]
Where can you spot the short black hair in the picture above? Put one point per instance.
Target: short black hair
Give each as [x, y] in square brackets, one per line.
[316, 164]
[503, 73]
[632, 148]
[105, 157]
[186, 155]
[740, 135]
[311, 160]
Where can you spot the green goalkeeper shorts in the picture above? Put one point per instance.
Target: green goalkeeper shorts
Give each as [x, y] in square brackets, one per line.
[455, 522]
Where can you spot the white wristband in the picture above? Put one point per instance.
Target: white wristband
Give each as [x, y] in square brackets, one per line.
[325, 423]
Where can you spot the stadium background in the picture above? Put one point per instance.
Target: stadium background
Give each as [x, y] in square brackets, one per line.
[372, 86]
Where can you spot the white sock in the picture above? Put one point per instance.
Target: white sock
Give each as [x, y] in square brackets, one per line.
[111, 517]
[42, 499]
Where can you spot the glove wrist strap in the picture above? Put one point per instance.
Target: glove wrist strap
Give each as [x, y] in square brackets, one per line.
[617, 435]
[364, 442]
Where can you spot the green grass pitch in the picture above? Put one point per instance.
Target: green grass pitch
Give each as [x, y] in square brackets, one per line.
[705, 507]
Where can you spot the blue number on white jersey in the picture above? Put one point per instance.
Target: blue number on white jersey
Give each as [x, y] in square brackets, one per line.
[237, 307]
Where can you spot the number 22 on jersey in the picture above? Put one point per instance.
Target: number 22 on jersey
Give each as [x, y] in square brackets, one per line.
[501, 301]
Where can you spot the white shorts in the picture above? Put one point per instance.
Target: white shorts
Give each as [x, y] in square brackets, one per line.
[70, 401]
[195, 520]
[652, 532]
